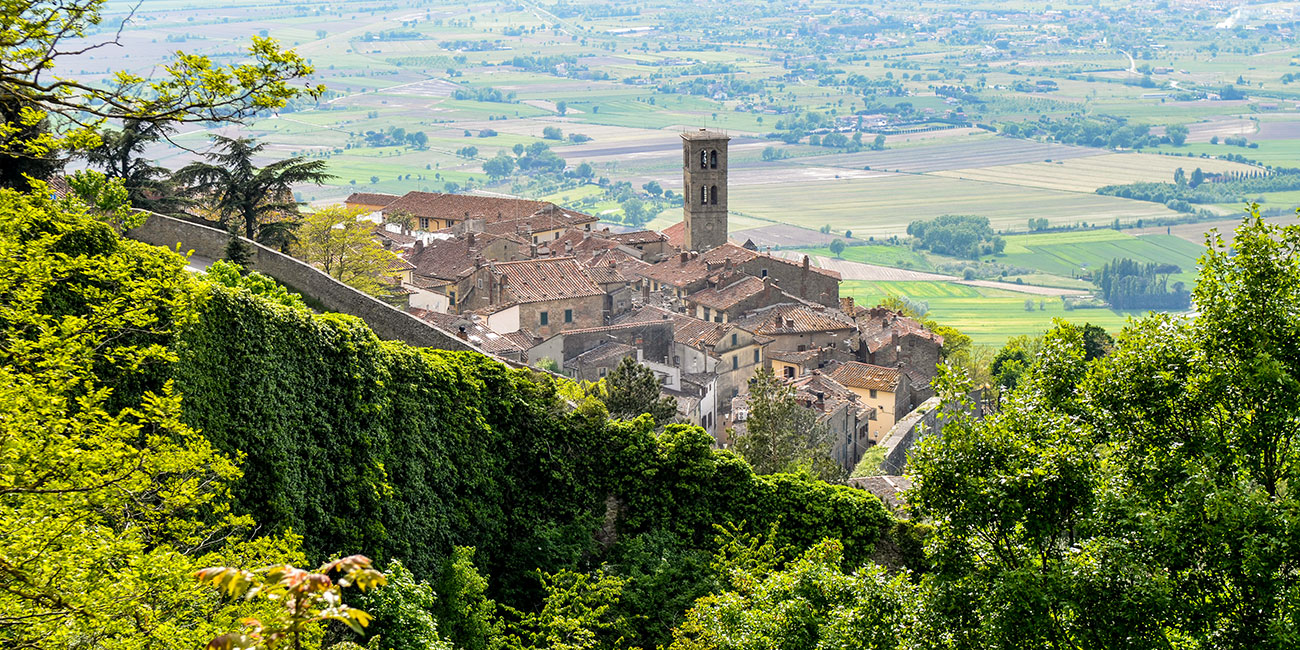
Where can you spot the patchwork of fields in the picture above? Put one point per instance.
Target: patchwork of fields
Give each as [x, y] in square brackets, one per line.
[989, 316]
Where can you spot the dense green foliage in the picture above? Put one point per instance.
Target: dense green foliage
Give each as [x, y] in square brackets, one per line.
[1128, 284]
[632, 389]
[956, 235]
[108, 501]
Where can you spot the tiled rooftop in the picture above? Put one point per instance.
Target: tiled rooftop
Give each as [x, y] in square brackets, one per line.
[865, 375]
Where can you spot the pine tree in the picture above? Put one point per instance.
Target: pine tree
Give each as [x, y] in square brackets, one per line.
[632, 389]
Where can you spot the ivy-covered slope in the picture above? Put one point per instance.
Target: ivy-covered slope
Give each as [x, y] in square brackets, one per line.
[362, 445]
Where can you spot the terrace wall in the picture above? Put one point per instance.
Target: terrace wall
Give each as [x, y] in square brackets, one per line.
[387, 321]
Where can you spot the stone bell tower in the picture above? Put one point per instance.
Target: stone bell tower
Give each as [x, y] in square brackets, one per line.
[704, 186]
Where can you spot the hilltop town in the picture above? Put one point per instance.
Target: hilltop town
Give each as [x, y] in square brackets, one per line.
[546, 286]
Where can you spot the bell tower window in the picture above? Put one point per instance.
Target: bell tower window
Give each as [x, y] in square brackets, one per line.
[704, 195]
[704, 160]
[713, 195]
[713, 159]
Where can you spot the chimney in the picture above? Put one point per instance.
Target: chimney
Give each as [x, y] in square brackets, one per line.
[685, 256]
[460, 334]
[470, 239]
[568, 247]
[532, 251]
[789, 323]
[419, 246]
[805, 263]
[726, 264]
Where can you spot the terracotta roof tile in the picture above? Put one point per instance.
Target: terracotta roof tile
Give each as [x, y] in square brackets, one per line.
[791, 318]
[865, 375]
[462, 206]
[552, 278]
[675, 272]
[638, 237]
[728, 296]
[371, 198]
[676, 234]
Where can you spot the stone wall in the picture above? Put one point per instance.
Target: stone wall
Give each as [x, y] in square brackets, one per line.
[923, 421]
[387, 321]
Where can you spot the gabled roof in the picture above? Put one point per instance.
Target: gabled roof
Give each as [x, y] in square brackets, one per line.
[607, 353]
[371, 198]
[865, 375]
[676, 234]
[687, 330]
[638, 237]
[730, 295]
[475, 332]
[677, 272]
[792, 318]
[546, 279]
[463, 206]
[448, 259]
[881, 324]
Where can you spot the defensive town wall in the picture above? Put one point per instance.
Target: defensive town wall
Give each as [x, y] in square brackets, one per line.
[387, 321]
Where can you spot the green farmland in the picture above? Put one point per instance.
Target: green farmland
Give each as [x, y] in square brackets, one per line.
[988, 316]
[1070, 254]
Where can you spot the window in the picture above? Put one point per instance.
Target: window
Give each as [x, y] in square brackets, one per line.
[733, 338]
[602, 372]
[424, 223]
[704, 195]
[764, 273]
[544, 318]
[873, 393]
[480, 283]
[803, 348]
[704, 160]
[568, 315]
[735, 362]
[534, 239]
[756, 356]
[451, 298]
[788, 371]
[706, 313]
[713, 195]
[713, 159]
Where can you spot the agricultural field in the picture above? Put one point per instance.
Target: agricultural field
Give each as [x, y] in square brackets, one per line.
[1071, 254]
[989, 316]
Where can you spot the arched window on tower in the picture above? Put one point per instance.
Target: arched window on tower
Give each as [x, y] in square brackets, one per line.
[704, 195]
[713, 195]
[704, 159]
[713, 159]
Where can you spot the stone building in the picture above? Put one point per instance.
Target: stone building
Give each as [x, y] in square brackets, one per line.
[885, 389]
[546, 296]
[704, 186]
[796, 327]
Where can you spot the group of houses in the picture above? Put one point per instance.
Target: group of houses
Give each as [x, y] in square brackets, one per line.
[547, 286]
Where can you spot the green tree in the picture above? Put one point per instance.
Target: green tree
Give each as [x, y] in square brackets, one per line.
[402, 610]
[1197, 178]
[41, 35]
[562, 107]
[499, 166]
[121, 155]
[782, 435]
[466, 615]
[338, 242]
[634, 212]
[632, 389]
[1177, 134]
[653, 188]
[108, 500]
[552, 133]
[257, 200]
[17, 163]
[837, 247]
[1180, 177]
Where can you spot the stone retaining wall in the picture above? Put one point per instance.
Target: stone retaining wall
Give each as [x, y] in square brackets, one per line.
[388, 322]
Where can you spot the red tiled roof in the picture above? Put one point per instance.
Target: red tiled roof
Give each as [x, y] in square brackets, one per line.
[475, 332]
[726, 297]
[791, 318]
[687, 330]
[371, 198]
[674, 272]
[676, 234]
[638, 237]
[882, 324]
[462, 206]
[865, 375]
[448, 259]
[552, 278]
